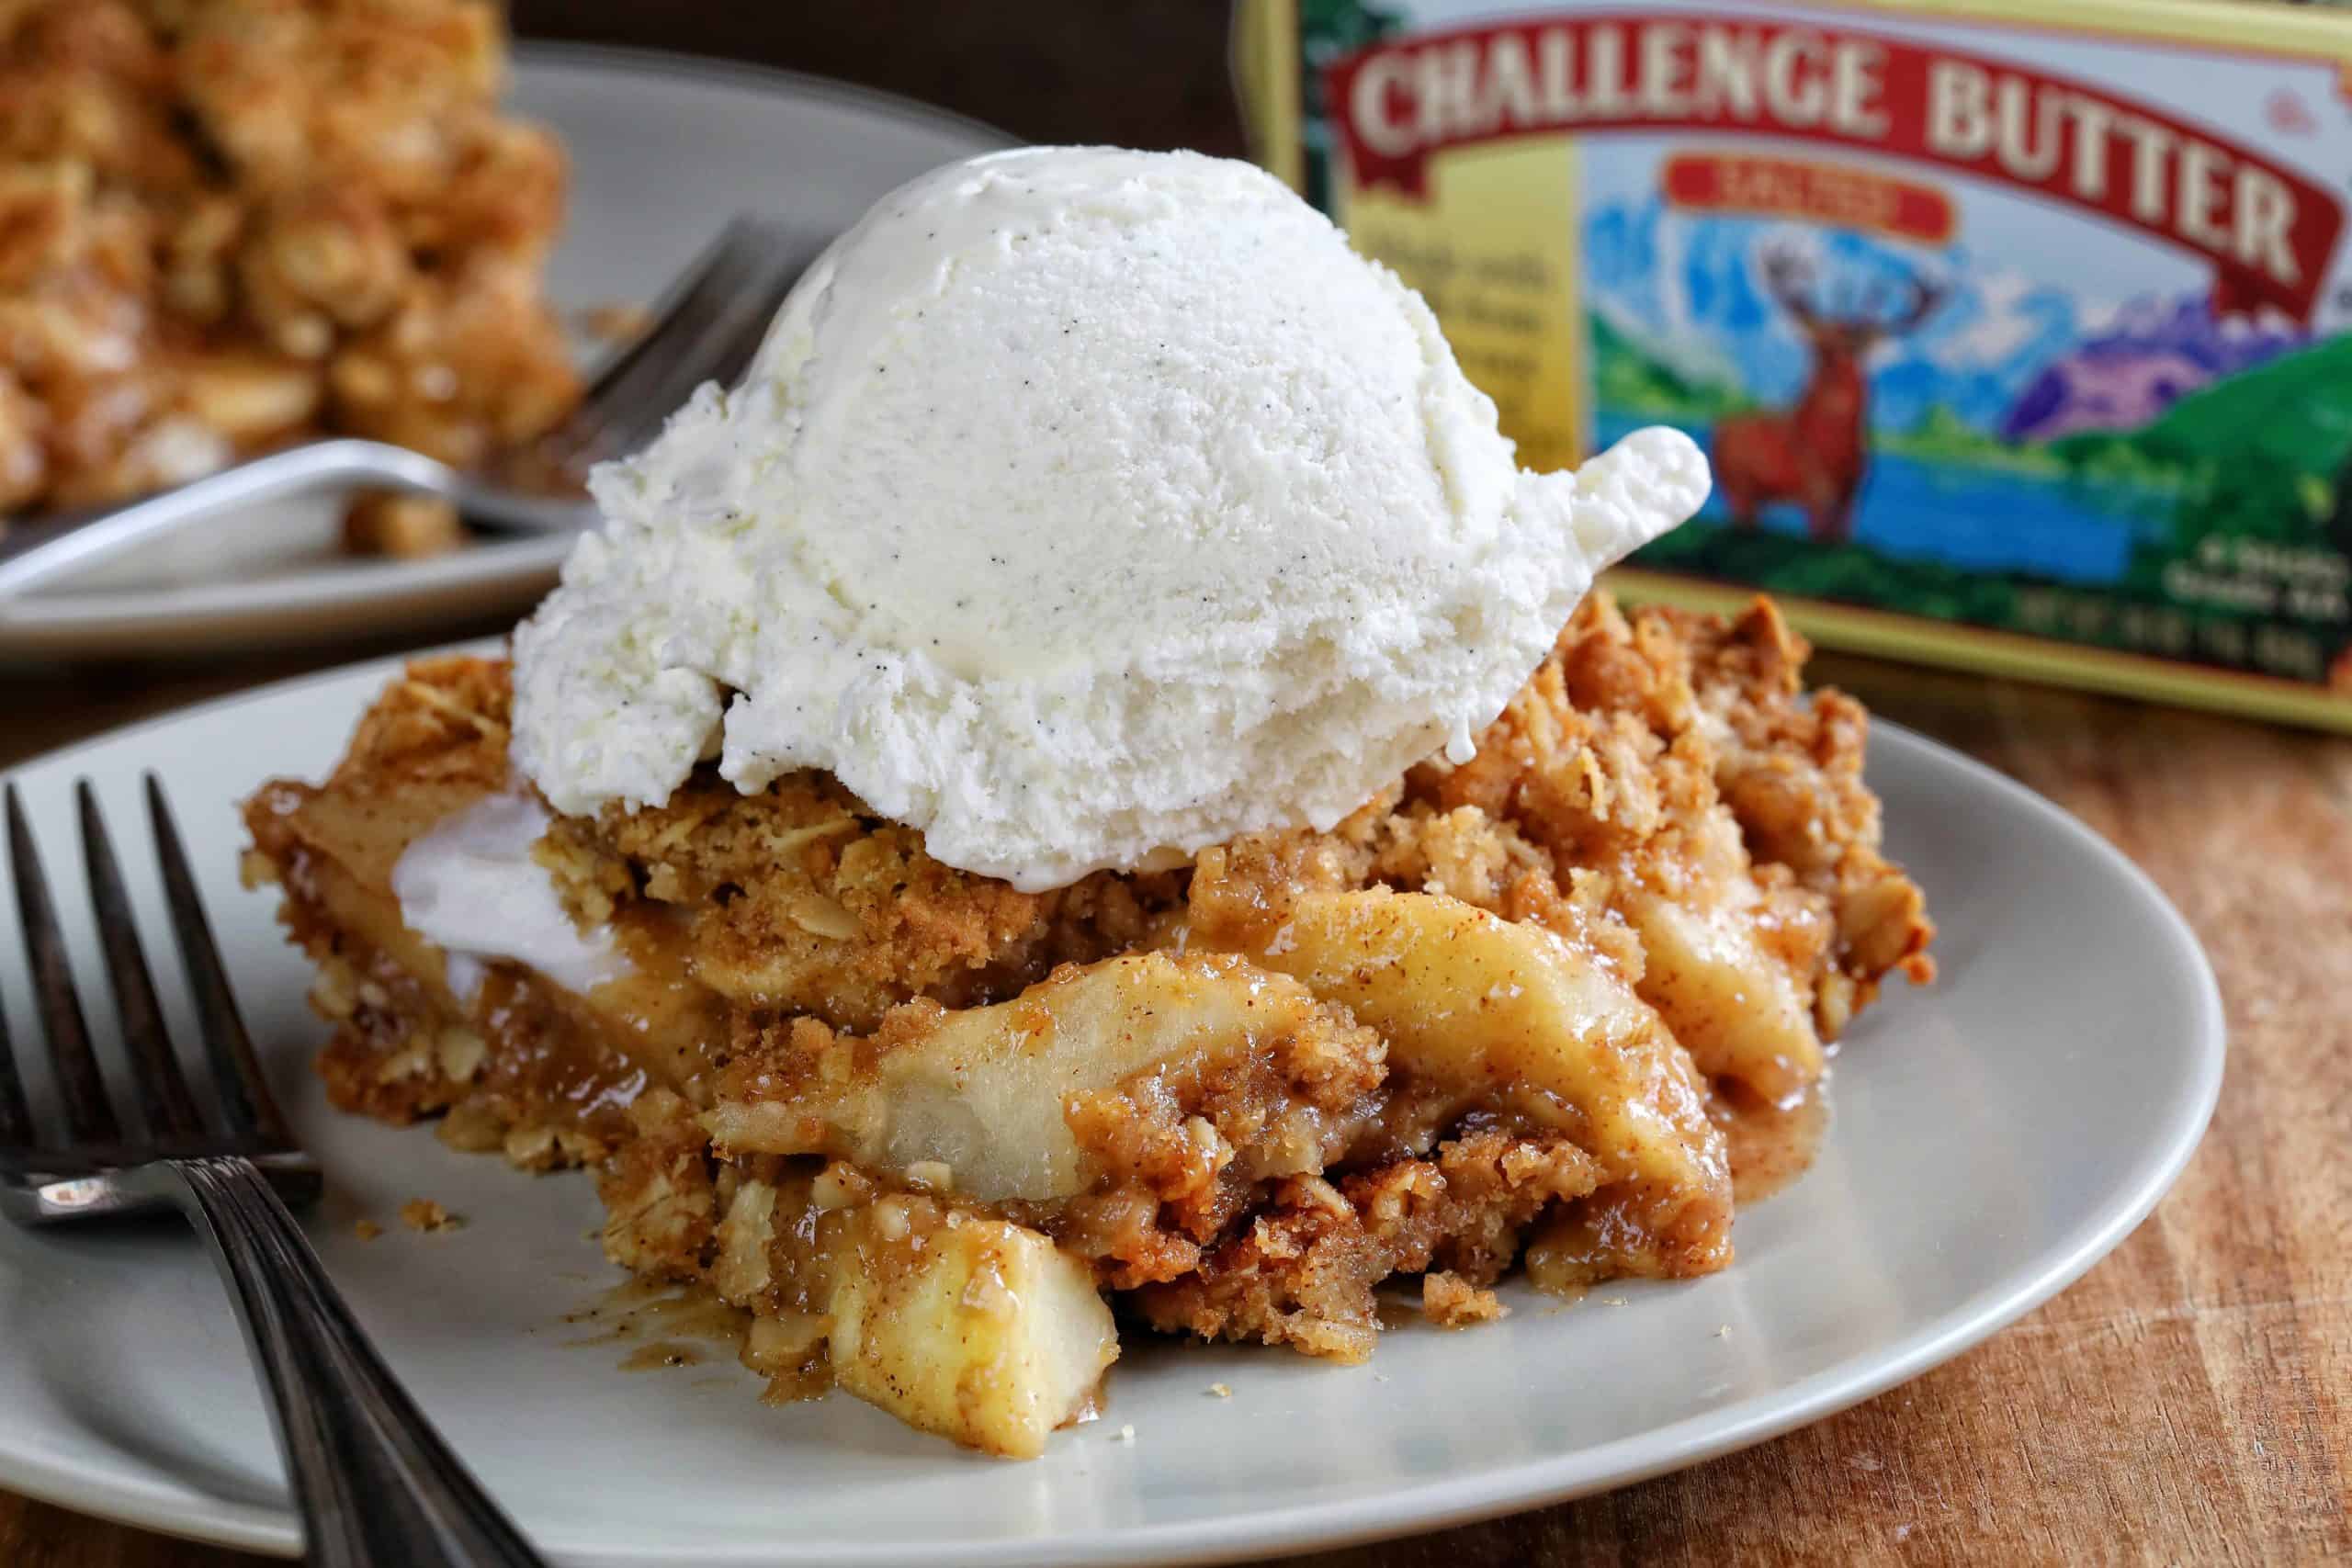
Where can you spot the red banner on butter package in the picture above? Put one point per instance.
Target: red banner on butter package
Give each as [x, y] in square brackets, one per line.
[2268, 232]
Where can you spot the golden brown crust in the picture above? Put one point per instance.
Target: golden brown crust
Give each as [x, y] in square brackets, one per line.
[1302, 1270]
[1626, 745]
[661, 1192]
[799, 900]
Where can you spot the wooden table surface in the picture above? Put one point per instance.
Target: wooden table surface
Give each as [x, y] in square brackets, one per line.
[2186, 1402]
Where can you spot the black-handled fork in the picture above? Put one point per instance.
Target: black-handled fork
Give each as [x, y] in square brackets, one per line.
[375, 1485]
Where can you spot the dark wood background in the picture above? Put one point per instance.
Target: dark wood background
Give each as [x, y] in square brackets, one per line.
[1133, 73]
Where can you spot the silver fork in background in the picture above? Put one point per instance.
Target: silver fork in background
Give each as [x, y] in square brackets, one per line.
[706, 330]
[375, 1484]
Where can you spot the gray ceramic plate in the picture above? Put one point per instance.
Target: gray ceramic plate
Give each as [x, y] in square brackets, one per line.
[1993, 1137]
[663, 150]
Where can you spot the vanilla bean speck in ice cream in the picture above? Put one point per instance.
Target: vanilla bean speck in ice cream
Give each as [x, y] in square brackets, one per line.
[1082, 508]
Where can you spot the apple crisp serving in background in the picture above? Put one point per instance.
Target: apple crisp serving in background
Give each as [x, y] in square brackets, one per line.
[228, 223]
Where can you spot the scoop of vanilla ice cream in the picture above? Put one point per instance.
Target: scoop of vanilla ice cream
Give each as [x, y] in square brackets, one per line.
[1082, 508]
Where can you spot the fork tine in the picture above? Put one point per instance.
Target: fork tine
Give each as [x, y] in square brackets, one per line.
[715, 278]
[704, 291]
[88, 1116]
[731, 291]
[628, 422]
[155, 1079]
[728, 248]
[722, 348]
[244, 1095]
[16, 1115]
[752, 325]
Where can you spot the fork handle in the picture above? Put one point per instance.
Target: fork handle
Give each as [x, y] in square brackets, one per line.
[375, 1486]
[36, 553]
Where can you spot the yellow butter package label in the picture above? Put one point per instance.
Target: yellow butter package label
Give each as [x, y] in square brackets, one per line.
[2019, 336]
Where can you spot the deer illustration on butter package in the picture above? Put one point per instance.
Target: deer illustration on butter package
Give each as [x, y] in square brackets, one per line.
[2020, 335]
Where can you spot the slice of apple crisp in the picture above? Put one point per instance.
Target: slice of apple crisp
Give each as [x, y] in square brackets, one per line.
[926, 1128]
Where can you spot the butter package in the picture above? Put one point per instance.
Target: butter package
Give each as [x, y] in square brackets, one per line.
[2020, 335]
